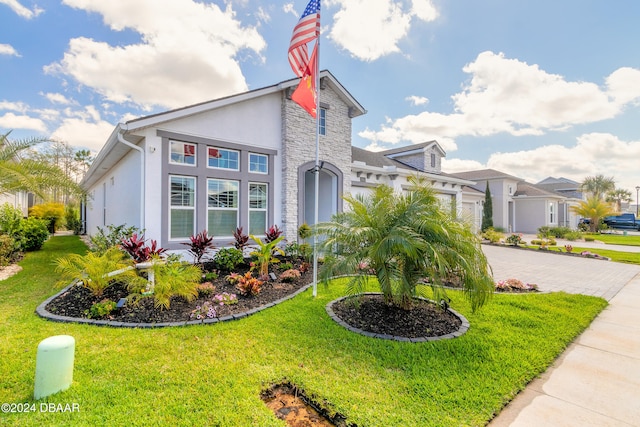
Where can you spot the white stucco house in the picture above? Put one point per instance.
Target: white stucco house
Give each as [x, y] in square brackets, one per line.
[21, 200]
[247, 160]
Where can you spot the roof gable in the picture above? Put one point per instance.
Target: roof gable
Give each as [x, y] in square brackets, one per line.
[326, 78]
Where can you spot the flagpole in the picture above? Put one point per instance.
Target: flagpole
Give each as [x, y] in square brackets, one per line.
[317, 168]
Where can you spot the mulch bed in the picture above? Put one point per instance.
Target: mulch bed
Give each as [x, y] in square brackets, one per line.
[425, 319]
[76, 301]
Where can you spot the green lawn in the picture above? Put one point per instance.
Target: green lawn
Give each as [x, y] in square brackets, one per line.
[616, 256]
[618, 239]
[213, 375]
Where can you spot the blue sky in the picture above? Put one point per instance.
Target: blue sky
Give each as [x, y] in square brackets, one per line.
[532, 88]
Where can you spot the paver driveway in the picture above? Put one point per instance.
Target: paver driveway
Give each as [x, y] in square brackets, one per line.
[554, 272]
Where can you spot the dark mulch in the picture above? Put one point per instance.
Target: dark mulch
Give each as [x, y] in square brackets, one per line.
[425, 319]
[78, 300]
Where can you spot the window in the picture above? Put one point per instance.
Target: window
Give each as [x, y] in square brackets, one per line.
[258, 163]
[257, 208]
[223, 159]
[222, 207]
[182, 211]
[183, 153]
[433, 160]
[552, 218]
[323, 121]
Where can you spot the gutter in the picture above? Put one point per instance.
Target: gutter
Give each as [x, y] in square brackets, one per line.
[122, 129]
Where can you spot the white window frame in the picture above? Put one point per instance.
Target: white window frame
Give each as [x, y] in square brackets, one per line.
[266, 163]
[182, 207]
[219, 209]
[220, 149]
[322, 121]
[265, 209]
[551, 213]
[183, 144]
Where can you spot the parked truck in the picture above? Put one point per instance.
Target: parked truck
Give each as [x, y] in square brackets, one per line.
[626, 220]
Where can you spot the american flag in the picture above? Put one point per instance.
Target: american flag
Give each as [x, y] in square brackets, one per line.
[307, 29]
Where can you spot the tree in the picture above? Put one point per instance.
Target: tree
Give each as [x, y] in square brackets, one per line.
[594, 209]
[598, 186]
[403, 239]
[487, 209]
[18, 172]
[618, 196]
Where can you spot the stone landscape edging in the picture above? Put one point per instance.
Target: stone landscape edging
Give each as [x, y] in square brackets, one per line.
[45, 314]
[547, 251]
[464, 325]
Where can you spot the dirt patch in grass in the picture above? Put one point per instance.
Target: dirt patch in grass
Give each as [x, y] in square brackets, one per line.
[294, 407]
[371, 314]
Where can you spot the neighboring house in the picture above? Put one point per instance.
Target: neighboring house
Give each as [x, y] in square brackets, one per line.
[394, 167]
[571, 190]
[519, 206]
[19, 200]
[245, 160]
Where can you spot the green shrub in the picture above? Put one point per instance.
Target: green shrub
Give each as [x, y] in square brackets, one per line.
[573, 235]
[492, 235]
[34, 233]
[101, 309]
[10, 219]
[103, 240]
[72, 219]
[589, 238]
[544, 232]
[560, 232]
[228, 258]
[7, 249]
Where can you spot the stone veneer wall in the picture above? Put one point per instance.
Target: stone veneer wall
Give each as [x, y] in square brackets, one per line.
[299, 146]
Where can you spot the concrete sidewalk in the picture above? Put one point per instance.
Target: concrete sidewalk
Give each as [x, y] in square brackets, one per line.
[596, 381]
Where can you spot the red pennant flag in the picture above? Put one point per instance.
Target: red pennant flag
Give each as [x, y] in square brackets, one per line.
[305, 94]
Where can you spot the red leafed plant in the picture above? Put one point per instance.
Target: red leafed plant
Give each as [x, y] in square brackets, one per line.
[242, 240]
[135, 246]
[199, 245]
[272, 234]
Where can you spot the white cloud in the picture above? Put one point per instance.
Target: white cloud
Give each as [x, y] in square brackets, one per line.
[511, 96]
[21, 10]
[14, 106]
[290, 8]
[417, 100]
[83, 128]
[424, 10]
[370, 29]
[187, 53]
[593, 153]
[263, 15]
[624, 85]
[12, 121]
[7, 49]
[57, 98]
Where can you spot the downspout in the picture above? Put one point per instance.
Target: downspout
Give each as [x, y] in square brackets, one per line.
[121, 139]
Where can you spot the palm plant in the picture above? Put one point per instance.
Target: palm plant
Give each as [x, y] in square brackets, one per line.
[598, 186]
[20, 173]
[593, 208]
[618, 196]
[404, 239]
[96, 271]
